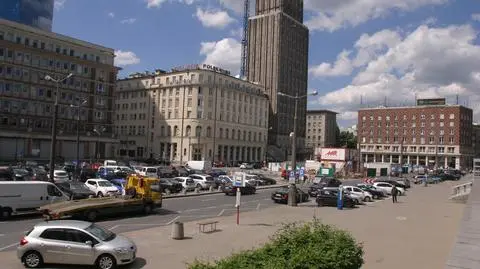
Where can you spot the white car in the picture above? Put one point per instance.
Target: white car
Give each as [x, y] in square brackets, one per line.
[246, 166]
[187, 183]
[101, 187]
[358, 194]
[388, 187]
[202, 181]
[60, 176]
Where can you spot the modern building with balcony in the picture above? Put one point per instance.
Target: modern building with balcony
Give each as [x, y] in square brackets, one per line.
[431, 134]
[37, 13]
[27, 56]
[195, 112]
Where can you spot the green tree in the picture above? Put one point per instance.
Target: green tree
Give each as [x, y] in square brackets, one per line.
[310, 245]
[347, 139]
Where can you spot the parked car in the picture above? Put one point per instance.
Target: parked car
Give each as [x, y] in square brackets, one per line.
[21, 174]
[393, 182]
[246, 166]
[281, 195]
[86, 173]
[202, 181]
[39, 174]
[188, 183]
[376, 194]
[388, 187]
[314, 190]
[6, 174]
[74, 243]
[222, 180]
[329, 182]
[149, 171]
[448, 177]
[181, 171]
[264, 180]
[252, 180]
[101, 187]
[232, 190]
[166, 172]
[120, 183]
[327, 197]
[358, 194]
[60, 176]
[75, 190]
[169, 185]
[217, 172]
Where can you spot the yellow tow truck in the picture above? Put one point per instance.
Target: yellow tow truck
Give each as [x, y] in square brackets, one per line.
[141, 194]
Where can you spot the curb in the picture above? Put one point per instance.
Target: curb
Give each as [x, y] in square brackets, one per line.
[217, 192]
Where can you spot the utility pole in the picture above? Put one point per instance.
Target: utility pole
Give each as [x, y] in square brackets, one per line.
[77, 166]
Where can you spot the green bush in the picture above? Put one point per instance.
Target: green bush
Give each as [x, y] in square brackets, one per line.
[311, 245]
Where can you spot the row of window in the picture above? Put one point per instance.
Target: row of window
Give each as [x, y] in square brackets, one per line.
[64, 126]
[416, 116]
[396, 139]
[413, 124]
[405, 132]
[411, 149]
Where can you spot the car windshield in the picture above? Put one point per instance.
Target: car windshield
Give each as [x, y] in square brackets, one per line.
[104, 184]
[151, 170]
[61, 174]
[78, 186]
[100, 233]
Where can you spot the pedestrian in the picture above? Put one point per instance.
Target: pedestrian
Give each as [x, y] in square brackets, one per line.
[394, 194]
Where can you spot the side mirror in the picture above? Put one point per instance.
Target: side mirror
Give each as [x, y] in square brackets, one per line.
[89, 243]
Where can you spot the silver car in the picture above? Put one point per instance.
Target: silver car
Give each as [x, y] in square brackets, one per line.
[75, 242]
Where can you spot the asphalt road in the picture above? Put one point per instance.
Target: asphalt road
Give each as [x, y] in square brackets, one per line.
[178, 209]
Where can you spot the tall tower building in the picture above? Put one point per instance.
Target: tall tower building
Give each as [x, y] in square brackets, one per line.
[278, 59]
[35, 13]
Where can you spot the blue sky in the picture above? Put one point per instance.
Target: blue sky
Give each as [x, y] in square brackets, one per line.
[368, 50]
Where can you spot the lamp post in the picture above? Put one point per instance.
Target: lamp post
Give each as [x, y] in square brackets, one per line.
[54, 122]
[97, 144]
[81, 103]
[292, 192]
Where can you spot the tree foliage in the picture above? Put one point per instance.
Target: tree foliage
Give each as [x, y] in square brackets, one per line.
[311, 245]
[347, 139]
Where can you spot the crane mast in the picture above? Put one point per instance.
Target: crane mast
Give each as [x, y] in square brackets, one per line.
[246, 15]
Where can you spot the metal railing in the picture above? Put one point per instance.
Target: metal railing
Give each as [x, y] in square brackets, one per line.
[463, 189]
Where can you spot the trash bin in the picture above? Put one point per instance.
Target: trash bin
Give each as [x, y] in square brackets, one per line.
[177, 231]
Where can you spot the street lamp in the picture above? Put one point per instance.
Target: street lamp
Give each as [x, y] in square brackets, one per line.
[81, 103]
[97, 144]
[54, 121]
[292, 192]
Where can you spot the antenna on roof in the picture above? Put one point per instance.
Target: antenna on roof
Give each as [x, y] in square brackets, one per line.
[457, 98]
[385, 101]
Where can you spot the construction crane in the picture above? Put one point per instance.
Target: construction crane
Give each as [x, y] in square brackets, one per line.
[246, 15]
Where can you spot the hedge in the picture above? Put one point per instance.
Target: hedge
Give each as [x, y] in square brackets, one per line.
[310, 245]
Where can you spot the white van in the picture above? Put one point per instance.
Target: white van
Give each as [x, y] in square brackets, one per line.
[17, 197]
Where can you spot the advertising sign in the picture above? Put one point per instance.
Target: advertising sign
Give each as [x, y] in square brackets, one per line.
[431, 102]
[201, 66]
[332, 154]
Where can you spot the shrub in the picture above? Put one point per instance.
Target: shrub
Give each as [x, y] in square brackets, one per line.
[310, 245]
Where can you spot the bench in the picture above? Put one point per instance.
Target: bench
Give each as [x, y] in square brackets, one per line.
[212, 226]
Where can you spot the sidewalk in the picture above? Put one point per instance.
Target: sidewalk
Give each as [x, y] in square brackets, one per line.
[418, 232]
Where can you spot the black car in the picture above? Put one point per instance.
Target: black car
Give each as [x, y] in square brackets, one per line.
[448, 177]
[75, 190]
[393, 182]
[166, 172]
[168, 185]
[232, 190]
[329, 182]
[21, 174]
[314, 190]
[329, 198]
[6, 174]
[376, 194]
[38, 174]
[265, 180]
[281, 196]
[217, 172]
[86, 173]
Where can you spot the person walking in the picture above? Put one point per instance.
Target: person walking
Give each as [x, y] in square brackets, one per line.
[394, 194]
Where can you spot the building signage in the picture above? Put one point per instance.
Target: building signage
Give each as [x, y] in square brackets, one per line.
[201, 67]
[332, 154]
[431, 102]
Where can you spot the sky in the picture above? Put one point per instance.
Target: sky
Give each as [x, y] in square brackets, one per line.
[362, 53]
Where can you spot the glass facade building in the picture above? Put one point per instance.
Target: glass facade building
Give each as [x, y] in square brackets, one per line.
[36, 13]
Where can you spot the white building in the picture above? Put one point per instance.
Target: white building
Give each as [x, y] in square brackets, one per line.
[197, 112]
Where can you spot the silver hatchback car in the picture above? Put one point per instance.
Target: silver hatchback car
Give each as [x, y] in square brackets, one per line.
[75, 242]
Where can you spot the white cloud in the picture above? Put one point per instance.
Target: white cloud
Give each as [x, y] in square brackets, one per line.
[128, 21]
[476, 17]
[428, 62]
[430, 21]
[111, 15]
[235, 5]
[59, 4]
[158, 3]
[331, 15]
[214, 18]
[238, 33]
[224, 53]
[124, 58]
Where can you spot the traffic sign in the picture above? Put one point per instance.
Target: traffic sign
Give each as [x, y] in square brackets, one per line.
[301, 172]
[291, 177]
[239, 180]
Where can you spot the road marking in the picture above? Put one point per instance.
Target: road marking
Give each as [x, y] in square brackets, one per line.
[221, 213]
[206, 200]
[9, 246]
[258, 207]
[173, 220]
[267, 199]
[210, 207]
[401, 218]
[2, 235]
[114, 227]
[192, 210]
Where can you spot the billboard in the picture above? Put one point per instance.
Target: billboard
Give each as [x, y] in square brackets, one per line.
[431, 102]
[332, 154]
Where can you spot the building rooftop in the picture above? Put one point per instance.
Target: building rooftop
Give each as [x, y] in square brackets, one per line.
[410, 107]
[321, 111]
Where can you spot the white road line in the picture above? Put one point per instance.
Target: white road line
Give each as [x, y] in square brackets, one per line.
[258, 207]
[267, 199]
[206, 200]
[210, 207]
[2, 235]
[192, 210]
[173, 220]
[114, 227]
[221, 213]
[9, 246]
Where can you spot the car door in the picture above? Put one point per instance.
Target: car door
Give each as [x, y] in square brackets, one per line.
[54, 194]
[92, 185]
[52, 246]
[77, 249]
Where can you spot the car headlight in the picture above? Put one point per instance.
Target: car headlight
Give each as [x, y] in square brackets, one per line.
[122, 250]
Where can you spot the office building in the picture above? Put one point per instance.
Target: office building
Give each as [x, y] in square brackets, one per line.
[195, 112]
[35, 13]
[27, 55]
[278, 59]
[321, 129]
[431, 134]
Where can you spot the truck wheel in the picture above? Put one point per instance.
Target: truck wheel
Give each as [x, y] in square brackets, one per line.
[91, 215]
[147, 209]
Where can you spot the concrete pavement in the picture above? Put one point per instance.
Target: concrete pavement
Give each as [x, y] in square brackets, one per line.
[418, 232]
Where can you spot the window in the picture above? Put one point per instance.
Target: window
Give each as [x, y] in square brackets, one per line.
[54, 234]
[452, 124]
[452, 116]
[78, 236]
[442, 116]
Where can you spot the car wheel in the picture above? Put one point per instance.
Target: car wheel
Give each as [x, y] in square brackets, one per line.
[375, 197]
[32, 259]
[5, 213]
[367, 199]
[199, 186]
[106, 261]
[147, 209]
[99, 194]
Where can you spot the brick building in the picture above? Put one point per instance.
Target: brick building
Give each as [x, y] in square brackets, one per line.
[427, 135]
